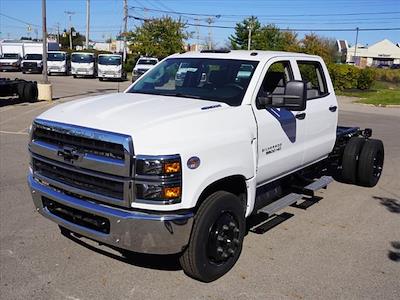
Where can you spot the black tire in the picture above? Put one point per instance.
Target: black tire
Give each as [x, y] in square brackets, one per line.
[20, 90]
[30, 92]
[101, 79]
[216, 239]
[371, 163]
[351, 155]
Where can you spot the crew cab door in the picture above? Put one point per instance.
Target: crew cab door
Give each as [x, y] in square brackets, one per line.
[280, 134]
[321, 114]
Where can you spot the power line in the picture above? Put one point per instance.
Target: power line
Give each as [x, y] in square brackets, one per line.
[288, 29]
[174, 12]
[19, 20]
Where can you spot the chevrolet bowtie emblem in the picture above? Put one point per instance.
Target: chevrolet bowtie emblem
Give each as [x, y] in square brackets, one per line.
[69, 154]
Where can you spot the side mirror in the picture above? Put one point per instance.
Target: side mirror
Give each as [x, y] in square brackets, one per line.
[294, 97]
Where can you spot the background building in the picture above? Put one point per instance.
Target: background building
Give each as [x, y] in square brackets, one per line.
[383, 53]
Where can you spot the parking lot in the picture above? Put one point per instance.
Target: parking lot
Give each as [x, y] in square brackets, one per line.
[346, 245]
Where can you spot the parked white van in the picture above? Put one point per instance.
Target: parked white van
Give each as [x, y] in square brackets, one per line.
[58, 62]
[83, 64]
[109, 66]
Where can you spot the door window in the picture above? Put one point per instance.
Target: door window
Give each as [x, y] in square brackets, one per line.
[275, 80]
[312, 73]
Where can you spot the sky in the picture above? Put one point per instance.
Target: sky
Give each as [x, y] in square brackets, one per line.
[106, 16]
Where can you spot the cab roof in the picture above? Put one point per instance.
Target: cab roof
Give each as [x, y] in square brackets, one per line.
[256, 55]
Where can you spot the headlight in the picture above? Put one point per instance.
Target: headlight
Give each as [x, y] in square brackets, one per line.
[162, 166]
[158, 179]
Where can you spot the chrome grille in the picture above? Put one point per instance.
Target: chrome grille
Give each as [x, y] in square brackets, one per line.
[91, 163]
[78, 180]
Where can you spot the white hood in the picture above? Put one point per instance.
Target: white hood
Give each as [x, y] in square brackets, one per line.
[152, 120]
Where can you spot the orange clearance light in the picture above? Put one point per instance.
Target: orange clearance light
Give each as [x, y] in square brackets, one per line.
[172, 167]
[172, 192]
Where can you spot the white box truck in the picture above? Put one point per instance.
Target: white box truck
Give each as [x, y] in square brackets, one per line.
[33, 58]
[83, 64]
[11, 56]
[109, 66]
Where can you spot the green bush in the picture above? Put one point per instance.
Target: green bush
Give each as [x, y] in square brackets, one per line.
[366, 79]
[388, 75]
[129, 65]
[346, 77]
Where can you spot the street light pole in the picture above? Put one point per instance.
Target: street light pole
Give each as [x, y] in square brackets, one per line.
[249, 38]
[355, 46]
[44, 37]
[87, 22]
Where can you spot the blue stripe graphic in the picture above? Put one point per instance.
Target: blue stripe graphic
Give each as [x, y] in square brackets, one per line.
[287, 120]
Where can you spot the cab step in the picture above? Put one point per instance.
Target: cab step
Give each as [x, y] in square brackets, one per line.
[298, 194]
[281, 203]
[311, 188]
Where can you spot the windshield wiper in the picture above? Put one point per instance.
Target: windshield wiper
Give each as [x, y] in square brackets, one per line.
[184, 96]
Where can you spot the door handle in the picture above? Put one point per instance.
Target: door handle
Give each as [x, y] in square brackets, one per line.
[301, 116]
[333, 108]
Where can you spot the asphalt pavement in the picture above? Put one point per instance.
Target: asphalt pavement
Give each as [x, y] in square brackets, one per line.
[344, 246]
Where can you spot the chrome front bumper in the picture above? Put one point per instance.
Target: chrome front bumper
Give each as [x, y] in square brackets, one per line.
[131, 230]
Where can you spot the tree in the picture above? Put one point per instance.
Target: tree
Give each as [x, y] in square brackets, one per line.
[313, 44]
[240, 38]
[289, 41]
[268, 37]
[77, 38]
[158, 37]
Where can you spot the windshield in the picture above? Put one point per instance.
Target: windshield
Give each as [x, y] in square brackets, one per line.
[221, 80]
[145, 61]
[56, 56]
[33, 57]
[82, 58]
[110, 60]
[10, 55]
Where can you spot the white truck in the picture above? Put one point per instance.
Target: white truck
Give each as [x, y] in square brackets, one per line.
[143, 64]
[83, 64]
[109, 66]
[58, 62]
[11, 56]
[165, 168]
[33, 58]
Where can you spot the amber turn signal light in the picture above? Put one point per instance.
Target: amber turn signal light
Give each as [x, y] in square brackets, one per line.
[172, 192]
[172, 167]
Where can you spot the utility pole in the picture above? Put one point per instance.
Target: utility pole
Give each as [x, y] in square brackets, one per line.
[58, 32]
[44, 37]
[355, 46]
[249, 38]
[70, 13]
[209, 21]
[197, 33]
[125, 27]
[87, 22]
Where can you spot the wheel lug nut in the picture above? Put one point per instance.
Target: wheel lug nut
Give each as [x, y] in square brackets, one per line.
[225, 228]
[220, 238]
[232, 225]
[231, 251]
[236, 230]
[236, 241]
[224, 255]
[219, 250]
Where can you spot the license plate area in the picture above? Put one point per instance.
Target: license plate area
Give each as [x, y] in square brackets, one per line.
[76, 216]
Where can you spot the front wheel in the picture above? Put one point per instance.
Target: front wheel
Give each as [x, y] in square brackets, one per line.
[217, 237]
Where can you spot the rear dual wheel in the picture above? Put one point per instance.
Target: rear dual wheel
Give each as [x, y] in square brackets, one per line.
[217, 237]
[362, 162]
